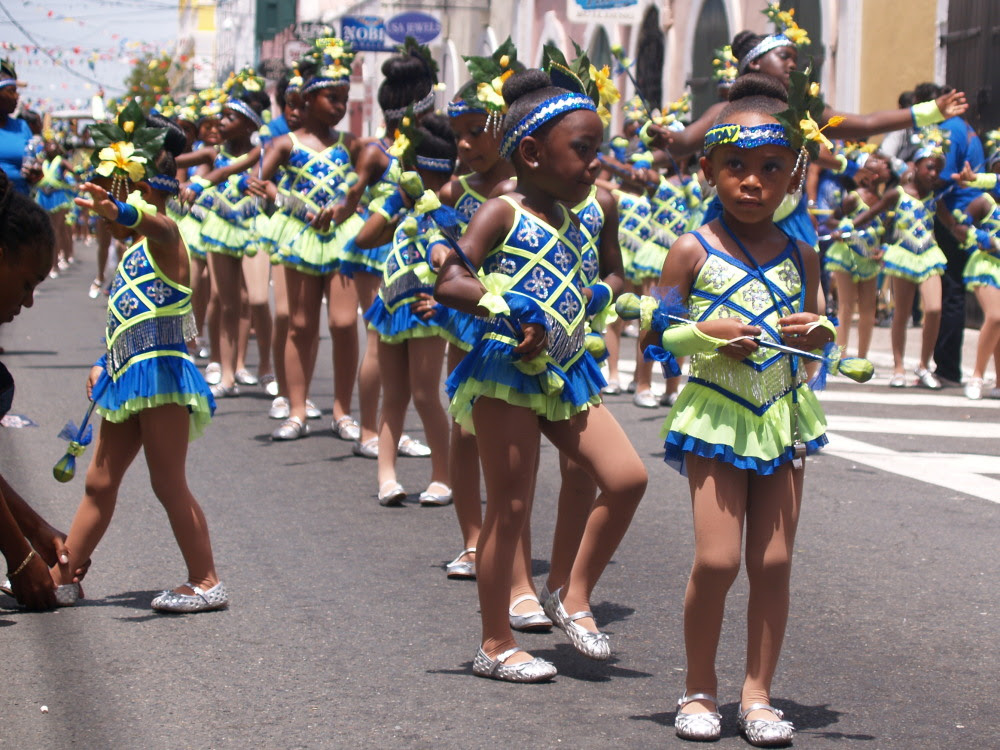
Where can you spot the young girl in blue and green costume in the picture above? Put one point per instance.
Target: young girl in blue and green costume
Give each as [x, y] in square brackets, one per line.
[54, 193]
[146, 387]
[320, 223]
[228, 230]
[746, 419]
[531, 374]
[855, 258]
[408, 83]
[978, 228]
[475, 116]
[412, 328]
[912, 258]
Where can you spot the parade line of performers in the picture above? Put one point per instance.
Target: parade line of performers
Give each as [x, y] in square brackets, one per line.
[491, 242]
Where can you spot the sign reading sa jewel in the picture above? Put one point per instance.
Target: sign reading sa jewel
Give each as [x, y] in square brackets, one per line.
[421, 26]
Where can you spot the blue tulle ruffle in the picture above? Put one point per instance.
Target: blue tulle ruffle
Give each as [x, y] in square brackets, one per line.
[492, 361]
[153, 382]
[677, 445]
[402, 323]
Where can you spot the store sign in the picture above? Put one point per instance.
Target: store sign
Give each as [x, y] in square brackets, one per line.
[365, 33]
[611, 11]
[293, 51]
[421, 26]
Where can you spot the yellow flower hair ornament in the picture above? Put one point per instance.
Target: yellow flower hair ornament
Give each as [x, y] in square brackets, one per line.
[127, 148]
[489, 74]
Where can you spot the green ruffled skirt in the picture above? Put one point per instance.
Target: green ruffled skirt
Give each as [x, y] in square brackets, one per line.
[840, 257]
[706, 423]
[299, 246]
[982, 269]
[904, 264]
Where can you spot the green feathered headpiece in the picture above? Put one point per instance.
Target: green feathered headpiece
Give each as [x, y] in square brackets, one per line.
[489, 74]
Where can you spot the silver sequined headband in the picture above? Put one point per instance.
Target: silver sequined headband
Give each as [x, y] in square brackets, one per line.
[238, 105]
[435, 165]
[540, 115]
[768, 43]
[424, 105]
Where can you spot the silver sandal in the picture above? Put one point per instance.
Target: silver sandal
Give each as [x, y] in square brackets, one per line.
[765, 732]
[536, 670]
[700, 727]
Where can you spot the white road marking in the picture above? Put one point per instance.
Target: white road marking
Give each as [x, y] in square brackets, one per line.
[906, 397]
[959, 472]
[934, 427]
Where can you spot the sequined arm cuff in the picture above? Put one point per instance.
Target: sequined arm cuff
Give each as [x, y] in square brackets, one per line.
[128, 215]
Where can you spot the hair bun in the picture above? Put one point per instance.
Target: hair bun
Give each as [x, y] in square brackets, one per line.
[744, 42]
[175, 141]
[521, 84]
[404, 68]
[758, 84]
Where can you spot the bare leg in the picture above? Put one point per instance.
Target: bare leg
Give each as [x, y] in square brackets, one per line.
[369, 384]
[305, 297]
[103, 245]
[243, 337]
[846, 301]
[576, 497]
[226, 279]
[117, 446]
[718, 504]
[597, 442]
[867, 297]
[643, 369]
[463, 459]
[165, 441]
[280, 336]
[930, 295]
[394, 362]
[902, 294]
[772, 518]
[508, 439]
[426, 356]
[256, 274]
[989, 334]
[342, 302]
[613, 340]
[200, 291]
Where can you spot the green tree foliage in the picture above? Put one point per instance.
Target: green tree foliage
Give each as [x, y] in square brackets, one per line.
[148, 79]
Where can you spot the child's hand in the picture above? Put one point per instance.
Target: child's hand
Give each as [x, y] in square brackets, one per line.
[795, 331]
[330, 215]
[95, 373]
[952, 104]
[262, 188]
[425, 306]
[966, 176]
[533, 343]
[101, 203]
[736, 332]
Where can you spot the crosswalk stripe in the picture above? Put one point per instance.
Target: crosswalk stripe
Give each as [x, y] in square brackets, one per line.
[904, 398]
[951, 470]
[933, 427]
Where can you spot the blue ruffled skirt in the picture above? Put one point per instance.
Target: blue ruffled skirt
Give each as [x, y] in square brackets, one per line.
[489, 370]
[148, 383]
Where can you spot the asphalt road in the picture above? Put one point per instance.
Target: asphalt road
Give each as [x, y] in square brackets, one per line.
[343, 630]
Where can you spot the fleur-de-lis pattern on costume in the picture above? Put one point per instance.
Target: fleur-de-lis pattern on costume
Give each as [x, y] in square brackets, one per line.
[562, 257]
[530, 233]
[716, 273]
[788, 275]
[135, 263]
[127, 304]
[539, 282]
[756, 296]
[468, 206]
[158, 292]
